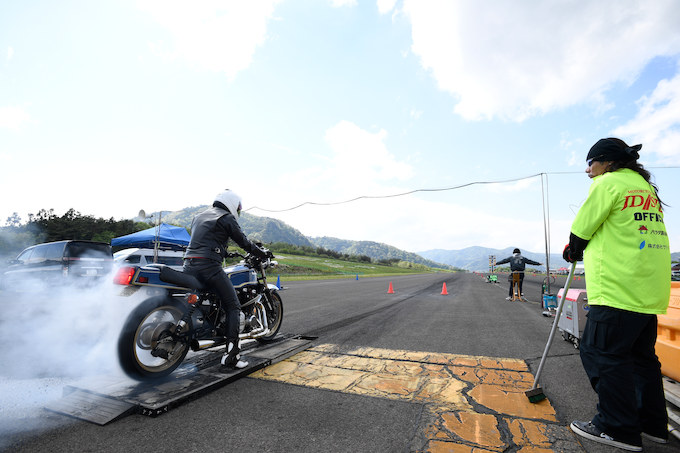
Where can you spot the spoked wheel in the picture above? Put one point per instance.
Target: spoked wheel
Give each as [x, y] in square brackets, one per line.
[146, 348]
[274, 309]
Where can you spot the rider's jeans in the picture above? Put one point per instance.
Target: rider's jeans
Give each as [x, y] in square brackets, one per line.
[211, 274]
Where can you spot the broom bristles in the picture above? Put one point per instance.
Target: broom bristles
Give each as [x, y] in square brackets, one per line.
[535, 395]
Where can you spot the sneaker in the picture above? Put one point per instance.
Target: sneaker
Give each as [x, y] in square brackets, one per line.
[658, 440]
[508, 298]
[590, 431]
[232, 359]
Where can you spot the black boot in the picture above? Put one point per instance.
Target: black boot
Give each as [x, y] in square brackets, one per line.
[231, 359]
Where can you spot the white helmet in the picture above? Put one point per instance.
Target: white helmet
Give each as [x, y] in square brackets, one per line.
[231, 201]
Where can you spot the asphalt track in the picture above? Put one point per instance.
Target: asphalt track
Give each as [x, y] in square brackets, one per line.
[351, 391]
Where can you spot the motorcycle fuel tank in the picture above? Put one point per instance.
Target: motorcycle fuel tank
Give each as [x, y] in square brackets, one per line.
[240, 275]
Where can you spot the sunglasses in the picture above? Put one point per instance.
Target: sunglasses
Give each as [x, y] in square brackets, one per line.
[590, 161]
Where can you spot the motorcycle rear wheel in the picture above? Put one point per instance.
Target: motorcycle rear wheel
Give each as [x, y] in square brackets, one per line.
[274, 317]
[144, 330]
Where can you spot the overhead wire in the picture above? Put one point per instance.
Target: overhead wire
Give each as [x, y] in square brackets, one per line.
[367, 197]
[442, 189]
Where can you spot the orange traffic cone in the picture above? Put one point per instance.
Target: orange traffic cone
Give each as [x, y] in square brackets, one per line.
[444, 291]
[390, 290]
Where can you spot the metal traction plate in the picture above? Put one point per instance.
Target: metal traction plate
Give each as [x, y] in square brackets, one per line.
[104, 399]
[92, 407]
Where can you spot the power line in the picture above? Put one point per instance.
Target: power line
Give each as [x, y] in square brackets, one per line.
[366, 197]
[443, 189]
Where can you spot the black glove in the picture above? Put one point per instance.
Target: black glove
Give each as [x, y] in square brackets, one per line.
[570, 256]
[260, 253]
[573, 252]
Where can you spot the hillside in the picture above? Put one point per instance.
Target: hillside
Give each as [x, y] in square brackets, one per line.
[375, 250]
[477, 258]
[263, 229]
[268, 230]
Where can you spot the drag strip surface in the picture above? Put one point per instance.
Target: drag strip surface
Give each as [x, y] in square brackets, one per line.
[414, 370]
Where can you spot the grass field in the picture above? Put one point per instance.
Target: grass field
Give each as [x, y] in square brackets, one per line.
[294, 267]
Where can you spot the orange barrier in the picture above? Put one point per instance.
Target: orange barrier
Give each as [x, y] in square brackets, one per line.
[668, 336]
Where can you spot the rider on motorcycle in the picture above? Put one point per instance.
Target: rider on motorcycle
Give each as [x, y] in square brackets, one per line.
[210, 233]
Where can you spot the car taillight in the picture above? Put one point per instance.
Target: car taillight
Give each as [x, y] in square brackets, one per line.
[124, 275]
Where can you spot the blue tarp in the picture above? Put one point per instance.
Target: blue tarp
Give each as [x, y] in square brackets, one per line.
[167, 236]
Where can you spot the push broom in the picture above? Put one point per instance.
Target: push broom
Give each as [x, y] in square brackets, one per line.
[535, 394]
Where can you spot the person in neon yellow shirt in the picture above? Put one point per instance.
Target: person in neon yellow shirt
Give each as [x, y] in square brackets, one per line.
[620, 235]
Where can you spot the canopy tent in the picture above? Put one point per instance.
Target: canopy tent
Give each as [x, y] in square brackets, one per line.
[165, 236]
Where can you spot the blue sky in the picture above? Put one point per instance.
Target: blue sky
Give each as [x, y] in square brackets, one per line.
[115, 106]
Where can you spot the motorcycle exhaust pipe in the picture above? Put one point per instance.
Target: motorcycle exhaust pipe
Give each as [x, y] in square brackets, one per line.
[197, 345]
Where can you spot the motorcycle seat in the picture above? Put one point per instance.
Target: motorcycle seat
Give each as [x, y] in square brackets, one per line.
[175, 277]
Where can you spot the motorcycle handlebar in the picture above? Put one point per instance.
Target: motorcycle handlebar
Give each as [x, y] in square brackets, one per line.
[250, 257]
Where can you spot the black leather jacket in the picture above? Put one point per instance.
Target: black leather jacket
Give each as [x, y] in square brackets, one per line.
[211, 231]
[517, 262]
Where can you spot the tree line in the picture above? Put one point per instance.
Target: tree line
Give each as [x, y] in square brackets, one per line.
[46, 226]
[283, 247]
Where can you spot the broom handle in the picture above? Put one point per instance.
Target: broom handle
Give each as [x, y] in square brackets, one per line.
[554, 326]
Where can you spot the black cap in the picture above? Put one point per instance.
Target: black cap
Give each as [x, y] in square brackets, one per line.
[516, 251]
[613, 149]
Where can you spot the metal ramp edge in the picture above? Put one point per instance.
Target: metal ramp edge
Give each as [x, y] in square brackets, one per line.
[105, 399]
[98, 409]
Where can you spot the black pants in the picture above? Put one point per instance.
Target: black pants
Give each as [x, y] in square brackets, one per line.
[617, 352]
[211, 274]
[521, 280]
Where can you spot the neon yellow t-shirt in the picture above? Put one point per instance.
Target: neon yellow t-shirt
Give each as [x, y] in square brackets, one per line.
[627, 261]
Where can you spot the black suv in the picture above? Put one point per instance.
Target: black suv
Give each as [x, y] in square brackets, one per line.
[59, 262]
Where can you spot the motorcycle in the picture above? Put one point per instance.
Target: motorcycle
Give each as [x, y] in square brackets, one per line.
[182, 315]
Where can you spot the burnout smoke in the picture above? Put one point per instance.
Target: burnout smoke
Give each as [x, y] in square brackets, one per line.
[52, 336]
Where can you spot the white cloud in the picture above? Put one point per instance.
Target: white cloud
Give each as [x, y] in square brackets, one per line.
[214, 35]
[385, 6]
[10, 53]
[361, 157]
[357, 163]
[657, 123]
[499, 60]
[13, 117]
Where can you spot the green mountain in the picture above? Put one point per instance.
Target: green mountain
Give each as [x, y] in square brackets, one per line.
[267, 230]
[263, 229]
[375, 250]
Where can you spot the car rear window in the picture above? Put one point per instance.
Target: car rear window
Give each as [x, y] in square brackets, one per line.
[133, 259]
[88, 250]
[170, 260]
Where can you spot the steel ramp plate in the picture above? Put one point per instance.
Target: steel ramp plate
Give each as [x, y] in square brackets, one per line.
[199, 374]
[92, 407]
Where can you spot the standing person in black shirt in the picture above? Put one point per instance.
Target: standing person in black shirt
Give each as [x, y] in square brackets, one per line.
[517, 265]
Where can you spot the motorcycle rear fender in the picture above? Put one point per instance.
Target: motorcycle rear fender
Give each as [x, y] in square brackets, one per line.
[151, 276]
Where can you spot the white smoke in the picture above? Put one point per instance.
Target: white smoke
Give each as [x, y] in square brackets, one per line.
[53, 336]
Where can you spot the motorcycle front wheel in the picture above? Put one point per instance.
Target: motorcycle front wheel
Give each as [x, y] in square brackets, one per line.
[274, 313]
[146, 348]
